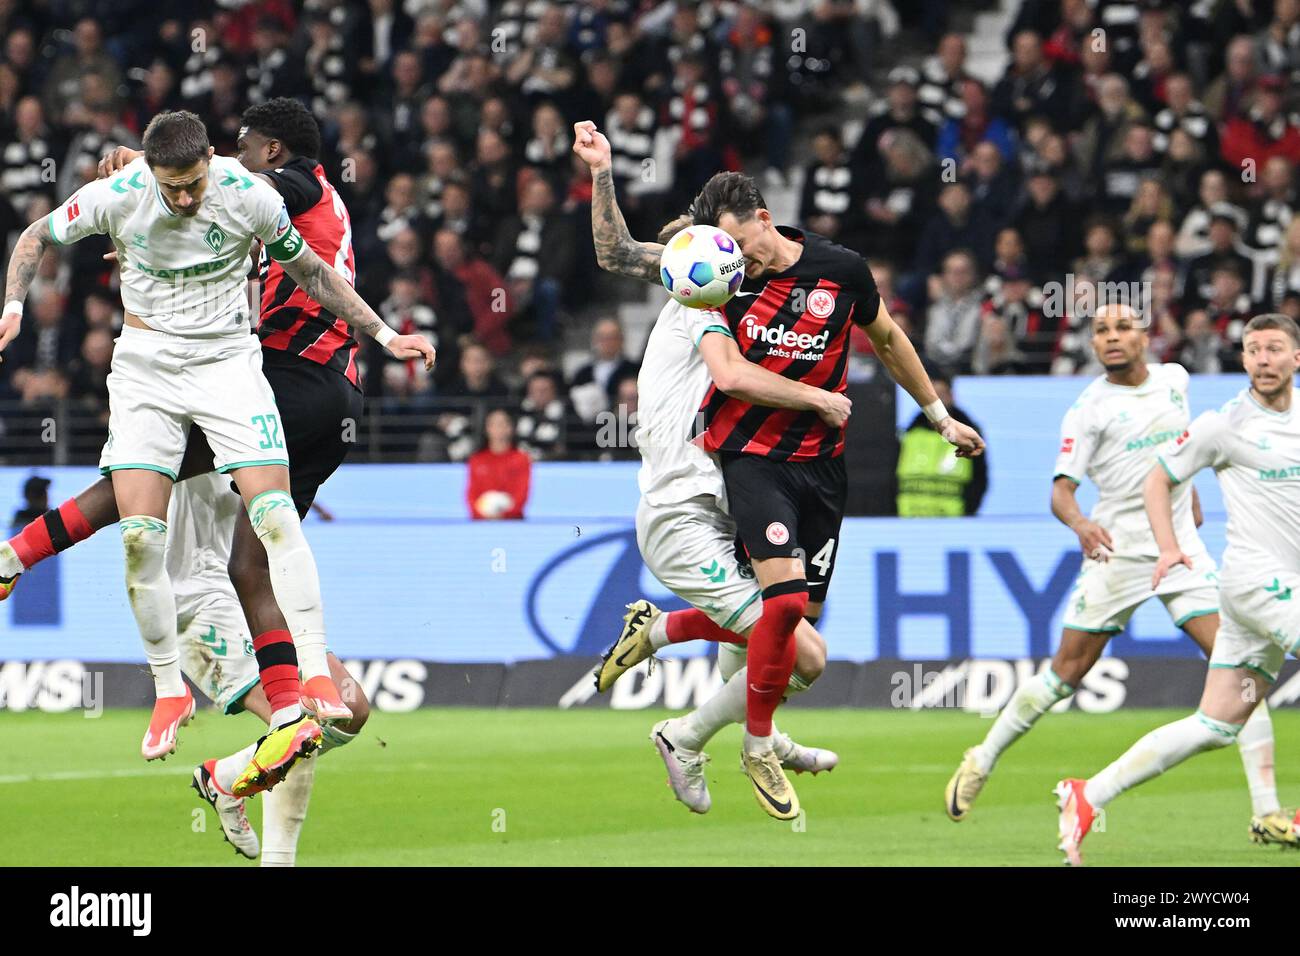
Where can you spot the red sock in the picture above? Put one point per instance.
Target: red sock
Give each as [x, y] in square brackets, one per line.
[693, 625]
[771, 653]
[278, 663]
[55, 531]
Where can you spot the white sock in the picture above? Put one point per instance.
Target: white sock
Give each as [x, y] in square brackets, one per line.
[1163, 748]
[285, 715]
[283, 811]
[228, 768]
[758, 745]
[659, 632]
[332, 738]
[1256, 745]
[293, 577]
[727, 706]
[149, 589]
[10, 566]
[1030, 701]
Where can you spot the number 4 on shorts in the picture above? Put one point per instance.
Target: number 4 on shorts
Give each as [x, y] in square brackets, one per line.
[270, 426]
[822, 559]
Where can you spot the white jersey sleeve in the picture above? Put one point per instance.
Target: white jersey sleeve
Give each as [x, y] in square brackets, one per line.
[702, 321]
[270, 222]
[1202, 445]
[1078, 443]
[84, 213]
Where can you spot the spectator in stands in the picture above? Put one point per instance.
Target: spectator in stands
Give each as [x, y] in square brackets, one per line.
[486, 292]
[690, 112]
[1274, 206]
[544, 417]
[1122, 177]
[955, 224]
[642, 174]
[829, 204]
[1102, 257]
[1104, 135]
[952, 322]
[1009, 258]
[1194, 233]
[1045, 219]
[544, 67]
[1226, 313]
[548, 149]
[609, 363]
[1227, 97]
[900, 111]
[942, 79]
[26, 162]
[1016, 334]
[408, 312]
[992, 183]
[499, 472]
[1182, 169]
[63, 85]
[88, 374]
[961, 136]
[43, 350]
[897, 205]
[1279, 43]
[932, 481]
[1183, 111]
[1264, 131]
[535, 252]
[1150, 205]
[1225, 221]
[1031, 86]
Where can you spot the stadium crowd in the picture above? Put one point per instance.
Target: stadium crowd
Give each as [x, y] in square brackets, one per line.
[1141, 145]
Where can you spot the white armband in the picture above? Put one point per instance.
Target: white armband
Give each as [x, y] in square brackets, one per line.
[385, 335]
[13, 305]
[935, 411]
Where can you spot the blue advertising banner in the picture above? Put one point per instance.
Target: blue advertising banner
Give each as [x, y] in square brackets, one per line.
[402, 582]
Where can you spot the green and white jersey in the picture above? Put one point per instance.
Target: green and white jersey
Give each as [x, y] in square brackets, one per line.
[1113, 435]
[1256, 453]
[200, 531]
[671, 387]
[183, 275]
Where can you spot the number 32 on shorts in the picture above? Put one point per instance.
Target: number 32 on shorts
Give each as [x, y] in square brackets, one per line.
[270, 426]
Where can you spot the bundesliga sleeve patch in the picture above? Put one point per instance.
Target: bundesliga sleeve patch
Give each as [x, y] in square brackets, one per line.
[286, 246]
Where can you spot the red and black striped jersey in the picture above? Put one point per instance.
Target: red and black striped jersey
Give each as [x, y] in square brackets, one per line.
[292, 321]
[795, 323]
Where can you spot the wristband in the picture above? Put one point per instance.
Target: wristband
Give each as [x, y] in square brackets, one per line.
[385, 335]
[935, 411]
[13, 305]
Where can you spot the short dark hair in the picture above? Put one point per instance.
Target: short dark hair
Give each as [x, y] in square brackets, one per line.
[735, 193]
[176, 139]
[1274, 320]
[290, 122]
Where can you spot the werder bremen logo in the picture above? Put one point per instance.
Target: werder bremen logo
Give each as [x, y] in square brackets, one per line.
[214, 237]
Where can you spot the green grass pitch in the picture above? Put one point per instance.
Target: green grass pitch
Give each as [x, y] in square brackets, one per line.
[514, 787]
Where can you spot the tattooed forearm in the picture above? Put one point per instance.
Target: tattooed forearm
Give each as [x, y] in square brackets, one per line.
[23, 263]
[331, 290]
[616, 250]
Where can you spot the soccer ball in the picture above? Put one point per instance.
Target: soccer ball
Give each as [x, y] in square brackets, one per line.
[702, 267]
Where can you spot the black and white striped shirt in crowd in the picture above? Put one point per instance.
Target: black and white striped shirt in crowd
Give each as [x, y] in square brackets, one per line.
[516, 24]
[698, 120]
[197, 79]
[828, 190]
[329, 73]
[1195, 122]
[23, 174]
[528, 244]
[940, 95]
[631, 146]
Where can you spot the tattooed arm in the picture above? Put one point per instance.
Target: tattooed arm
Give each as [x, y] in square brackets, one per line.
[616, 250]
[23, 263]
[332, 291]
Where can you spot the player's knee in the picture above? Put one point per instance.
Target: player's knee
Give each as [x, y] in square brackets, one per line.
[143, 544]
[357, 702]
[810, 661]
[784, 603]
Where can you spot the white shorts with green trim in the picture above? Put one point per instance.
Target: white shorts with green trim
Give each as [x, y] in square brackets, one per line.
[690, 548]
[1260, 624]
[160, 384]
[1106, 593]
[216, 650]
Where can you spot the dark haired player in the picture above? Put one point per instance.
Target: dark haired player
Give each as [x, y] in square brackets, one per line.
[784, 476]
[278, 143]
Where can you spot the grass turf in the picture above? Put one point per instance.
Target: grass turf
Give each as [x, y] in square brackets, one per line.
[514, 787]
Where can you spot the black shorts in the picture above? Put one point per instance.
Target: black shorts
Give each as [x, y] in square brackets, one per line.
[316, 405]
[320, 411]
[789, 509]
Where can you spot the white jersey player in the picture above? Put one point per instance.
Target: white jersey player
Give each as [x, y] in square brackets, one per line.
[1253, 445]
[183, 224]
[216, 653]
[1112, 436]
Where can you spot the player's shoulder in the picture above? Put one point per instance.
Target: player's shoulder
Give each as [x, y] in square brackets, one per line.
[1092, 393]
[833, 261]
[126, 188]
[1172, 373]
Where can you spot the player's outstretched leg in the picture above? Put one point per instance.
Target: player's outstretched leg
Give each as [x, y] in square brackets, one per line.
[235, 828]
[294, 583]
[55, 531]
[647, 629]
[1077, 653]
[1161, 749]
